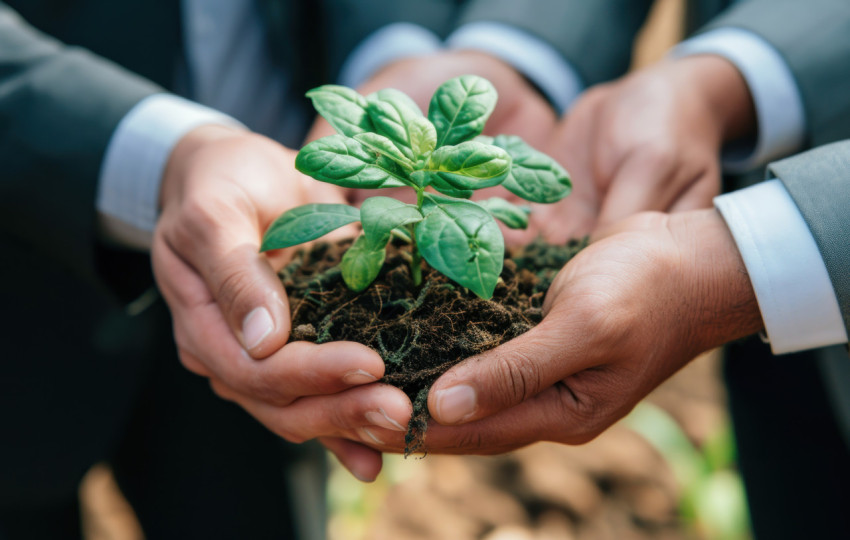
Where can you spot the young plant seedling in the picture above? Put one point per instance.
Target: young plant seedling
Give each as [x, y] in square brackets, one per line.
[384, 141]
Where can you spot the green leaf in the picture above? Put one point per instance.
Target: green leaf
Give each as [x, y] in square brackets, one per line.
[421, 178]
[308, 222]
[423, 137]
[515, 217]
[460, 107]
[343, 108]
[460, 239]
[534, 176]
[383, 146]
[361, 263]
[436, 182]
[393, 113]
[380, 215]
[345, 162]
[470, 165]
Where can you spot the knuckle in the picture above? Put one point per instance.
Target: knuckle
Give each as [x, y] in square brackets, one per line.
[267, 388]
[470, 441]
[592, 412]
[286, 431]
[232, 284]
[221, 390]
[580, 416]
[659, 155]
[196, 219]
[517, 376]
[191, 363]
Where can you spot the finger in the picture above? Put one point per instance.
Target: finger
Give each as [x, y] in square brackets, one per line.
[558, 414]
[375, 415]
[700, 193]
[643, 181]
[507, 375]
[572, 146]
[193, 363]
[298, 369]
[360, 460]
[220, 241]
[637, 222]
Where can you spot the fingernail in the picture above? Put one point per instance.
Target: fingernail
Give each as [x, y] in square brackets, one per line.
[455, 404]
[358, 376]
[366, 434]
[257, 325]
[381, 419]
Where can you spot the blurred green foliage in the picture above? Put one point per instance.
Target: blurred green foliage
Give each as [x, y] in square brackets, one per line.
[713, 504]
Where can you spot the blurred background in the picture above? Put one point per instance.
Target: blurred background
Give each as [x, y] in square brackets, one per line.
[666, 471]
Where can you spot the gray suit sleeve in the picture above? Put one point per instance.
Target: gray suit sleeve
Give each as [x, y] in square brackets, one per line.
[58, 108]
[814, 39]
[819, 183]
[595, 36]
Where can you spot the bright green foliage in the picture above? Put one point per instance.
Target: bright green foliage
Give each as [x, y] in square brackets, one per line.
[460, 108]
[361, 263]
[385, 141]
[460, 239]
[534, 176]
[306, 223]
[513, 216]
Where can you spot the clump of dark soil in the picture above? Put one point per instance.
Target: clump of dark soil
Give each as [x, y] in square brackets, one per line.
[420, 332]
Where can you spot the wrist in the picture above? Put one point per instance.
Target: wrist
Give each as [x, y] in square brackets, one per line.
[722, 302]
[723, 91]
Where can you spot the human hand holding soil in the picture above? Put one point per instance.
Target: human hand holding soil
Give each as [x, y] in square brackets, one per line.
[649, 141]
[221, 190]
[620, 318]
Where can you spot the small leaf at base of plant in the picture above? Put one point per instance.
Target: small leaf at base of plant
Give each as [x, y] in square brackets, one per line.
[361, 263]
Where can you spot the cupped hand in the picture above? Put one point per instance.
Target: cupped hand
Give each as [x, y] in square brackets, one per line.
[222, 188]
[649, 141]
[621, 317]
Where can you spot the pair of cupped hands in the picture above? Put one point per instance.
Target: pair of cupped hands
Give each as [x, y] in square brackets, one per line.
[644, 298]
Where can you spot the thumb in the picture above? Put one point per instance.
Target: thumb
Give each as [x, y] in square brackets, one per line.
[505, 376]
[250, 297]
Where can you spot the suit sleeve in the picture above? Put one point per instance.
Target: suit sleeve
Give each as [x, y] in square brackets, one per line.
[58, 108]
[813, 37]
[819, 183]
[594, 37]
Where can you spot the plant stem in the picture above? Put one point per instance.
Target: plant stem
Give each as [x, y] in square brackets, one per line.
[416, 260]
[416, 265]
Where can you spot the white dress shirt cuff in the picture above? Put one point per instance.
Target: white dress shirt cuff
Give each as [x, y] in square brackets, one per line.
[135, 159]
[528, 54]
[385, 46]
[795, 295]
[779, 106]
